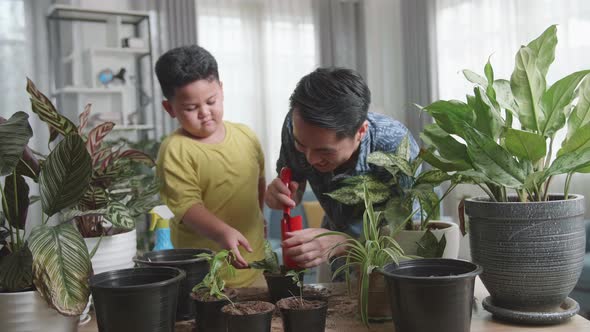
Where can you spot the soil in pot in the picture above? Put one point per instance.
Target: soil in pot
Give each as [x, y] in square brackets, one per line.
[307, 314]
[281, 286]
[251, 316]
[185, 259]
[207, 310]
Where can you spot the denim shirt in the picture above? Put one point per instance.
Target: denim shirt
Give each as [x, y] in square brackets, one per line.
[384, 134]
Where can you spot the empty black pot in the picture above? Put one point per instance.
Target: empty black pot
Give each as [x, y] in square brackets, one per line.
[186, 260]
[258, 322]
[431, 294]
[140, 299]
[307, 320]
[208, 315]
[281, 286]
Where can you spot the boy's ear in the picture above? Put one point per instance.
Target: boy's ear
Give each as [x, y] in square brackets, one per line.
[168, 107]
[363, 130]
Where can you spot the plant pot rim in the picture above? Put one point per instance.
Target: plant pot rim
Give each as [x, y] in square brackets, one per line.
[124, 231]
[271, 308]
[476, 269]
[309, 298]
[143, 260]
[18, 293]
[177, 278]
[487, 200]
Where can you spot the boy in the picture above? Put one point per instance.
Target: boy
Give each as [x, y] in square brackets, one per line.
[212, 171]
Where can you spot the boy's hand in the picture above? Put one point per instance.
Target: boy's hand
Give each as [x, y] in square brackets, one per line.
[230, 239]
[277, 195]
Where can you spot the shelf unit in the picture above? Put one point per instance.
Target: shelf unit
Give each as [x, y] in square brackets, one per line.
[85, 42]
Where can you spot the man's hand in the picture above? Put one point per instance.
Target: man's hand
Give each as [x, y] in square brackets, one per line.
[308, 251]
[230, 239]
[277, 195]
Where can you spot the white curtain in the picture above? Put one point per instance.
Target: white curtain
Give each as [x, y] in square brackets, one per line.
[469, 31]
[262, 48]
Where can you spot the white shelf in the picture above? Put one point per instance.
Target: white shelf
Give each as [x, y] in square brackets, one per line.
[65, 12]
[133, 127]
[119, 51]
[83, 90]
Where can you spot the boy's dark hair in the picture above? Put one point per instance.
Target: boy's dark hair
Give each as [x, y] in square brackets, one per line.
[183, 65]
[332, 98]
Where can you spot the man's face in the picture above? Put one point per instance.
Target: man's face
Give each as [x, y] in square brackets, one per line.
[198, 106]
[321, 147]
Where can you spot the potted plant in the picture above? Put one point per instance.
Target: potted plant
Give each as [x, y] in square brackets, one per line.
[301, 313]
[116, 194]
[44, 274]
[529, 243]
[397, 191]
[255, 316]
[372, 251]
[210, 295]
[278, 281]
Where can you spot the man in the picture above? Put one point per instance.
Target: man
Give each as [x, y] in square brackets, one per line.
[327, 136]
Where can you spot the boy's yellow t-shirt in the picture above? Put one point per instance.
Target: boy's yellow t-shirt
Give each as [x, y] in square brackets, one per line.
[223, 177]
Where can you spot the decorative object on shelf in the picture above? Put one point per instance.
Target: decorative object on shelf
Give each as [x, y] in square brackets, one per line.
[133, 42]
[106, 76]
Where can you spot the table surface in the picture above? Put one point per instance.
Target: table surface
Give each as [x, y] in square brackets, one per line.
[343, 317]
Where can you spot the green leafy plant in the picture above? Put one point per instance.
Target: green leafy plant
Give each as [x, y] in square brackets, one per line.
[270, 263]
[481, 141]
[296, 277]
[54, 260]
[116, 193]
[400, 193]
[219, 266]
[373, 250]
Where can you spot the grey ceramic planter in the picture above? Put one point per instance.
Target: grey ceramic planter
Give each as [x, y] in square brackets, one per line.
[531, 253]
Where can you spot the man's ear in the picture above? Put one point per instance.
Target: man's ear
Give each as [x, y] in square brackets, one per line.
[363, 130]
[169, 109]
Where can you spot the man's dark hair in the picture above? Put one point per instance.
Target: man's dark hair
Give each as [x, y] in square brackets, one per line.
[332, 98]
[183, 65]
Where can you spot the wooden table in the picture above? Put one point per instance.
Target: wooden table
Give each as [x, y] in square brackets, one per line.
[342, 317]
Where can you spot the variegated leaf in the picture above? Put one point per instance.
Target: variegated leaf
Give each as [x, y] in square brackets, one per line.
[43, 107]
[434, 177]
[94, 198]
[71, 214]
[61, 267]
[65, 175]
[118, 215]
[29, 165]
[84, 119]
[16, 200]
[138, 156]
[96, 135]
[403, 149]
[14, 135]
[390, 159]
[16, 270]
[346, 195]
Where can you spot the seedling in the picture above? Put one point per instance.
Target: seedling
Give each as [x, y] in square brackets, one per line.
[219, 266]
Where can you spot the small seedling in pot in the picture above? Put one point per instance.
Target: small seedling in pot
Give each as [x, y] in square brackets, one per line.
[213, 283]
[295, 274]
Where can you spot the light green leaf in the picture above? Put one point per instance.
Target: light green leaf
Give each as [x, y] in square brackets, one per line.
[470, 177]
[524, 144]
[383, 159]
[65, 175]
[580, 140]
[118, 215]
[61, 267]
[346, 195]
[528, 85]
[16, 270]
[557, 98]
[487, 120]
[475, 78]
[493, 160]
[569, 162]
[396, 213]
[580, 116]
[403, 149]
[544, 48]
[504, 96]
[448, 147]
[433, 177]
[14, 134]
[270, 263]
[452, 116]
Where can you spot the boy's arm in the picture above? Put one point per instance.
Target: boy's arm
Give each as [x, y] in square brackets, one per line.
[198, 219]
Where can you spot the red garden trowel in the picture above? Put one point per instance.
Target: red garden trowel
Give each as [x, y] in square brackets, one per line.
[288, 223]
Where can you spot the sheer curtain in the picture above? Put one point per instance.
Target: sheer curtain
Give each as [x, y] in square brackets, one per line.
[469, 31]
[263, 48]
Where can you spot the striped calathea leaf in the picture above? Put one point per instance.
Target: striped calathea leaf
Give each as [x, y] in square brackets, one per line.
[61, 267]
[16, 270]
[16, 200]
[119, 215]
[14, 135]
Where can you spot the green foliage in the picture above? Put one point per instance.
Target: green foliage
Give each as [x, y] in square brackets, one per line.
[373, 251]
[296, 277]
[219, 266]
[479, 137]
[270, 263]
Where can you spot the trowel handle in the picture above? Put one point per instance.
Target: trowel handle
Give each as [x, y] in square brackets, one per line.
[285, 176]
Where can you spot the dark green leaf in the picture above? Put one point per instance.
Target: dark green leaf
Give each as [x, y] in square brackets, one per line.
[16, 270]
[488, 120]
[396, 213]
[14, 134]
[443, 164]
[448, 147]
[452, 116]
[16, 200]
[430, 247]
[528, 85]
[270, 263]
[524, 144]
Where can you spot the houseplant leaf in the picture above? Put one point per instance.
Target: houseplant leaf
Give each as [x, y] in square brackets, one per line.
[475, 78]
[96, 135]
[528, 85]
[544, 48]
[42, 106]
[580, 116]
[430, 247]
[118, 215]
[16, 200]
[16, 270]
[580, 140]
[383, 159]
[452, 116]
[557, 98]
[524, 144]
[15, 134]
[569, 162]
[61, 267]
[504, 95]
[487, 118]
[443, 164]
[65, 175]
[433, 177]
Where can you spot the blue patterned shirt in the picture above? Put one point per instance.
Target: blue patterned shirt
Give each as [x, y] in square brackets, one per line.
[384, 134]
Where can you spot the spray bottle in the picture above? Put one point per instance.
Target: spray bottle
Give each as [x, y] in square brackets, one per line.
[161, 216]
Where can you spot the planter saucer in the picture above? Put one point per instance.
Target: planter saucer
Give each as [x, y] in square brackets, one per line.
[568, 309]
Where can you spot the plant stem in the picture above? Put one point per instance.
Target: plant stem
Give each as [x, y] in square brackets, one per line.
[567, 185]
[10, 229]
[548, 160]
[547, 188]
[488, 192]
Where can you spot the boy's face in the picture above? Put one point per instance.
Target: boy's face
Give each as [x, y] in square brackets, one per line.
[322, 147]
[198, 106]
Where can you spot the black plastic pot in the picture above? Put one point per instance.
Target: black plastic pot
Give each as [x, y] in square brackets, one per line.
[208, 315]
[306, 320]
[281, 286]
[258, 322]
[186, 260]
[140, 299]
[431, 294]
